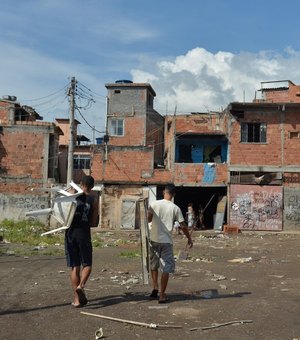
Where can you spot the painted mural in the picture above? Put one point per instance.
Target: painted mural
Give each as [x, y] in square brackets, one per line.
[256, 207]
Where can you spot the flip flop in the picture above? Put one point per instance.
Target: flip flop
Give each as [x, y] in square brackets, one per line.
[154, 294]
[82, 298]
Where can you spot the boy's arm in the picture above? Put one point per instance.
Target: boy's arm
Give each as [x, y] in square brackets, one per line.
[185, 230]
[95, 213]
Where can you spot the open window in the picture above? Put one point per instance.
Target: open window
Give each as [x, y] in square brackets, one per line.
[201, 149]
[253, 132]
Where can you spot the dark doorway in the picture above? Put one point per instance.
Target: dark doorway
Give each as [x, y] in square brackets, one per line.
[205, 197]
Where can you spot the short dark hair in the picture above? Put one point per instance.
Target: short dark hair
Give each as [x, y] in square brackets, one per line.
[88, 181]
[171, 189]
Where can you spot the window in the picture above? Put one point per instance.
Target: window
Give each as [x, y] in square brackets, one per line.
[117, 127]
[254, 132]
[294, 134]
[81, 162]
[201, 149]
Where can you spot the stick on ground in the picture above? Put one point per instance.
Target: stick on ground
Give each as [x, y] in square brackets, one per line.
[221, 325]
[143, 324]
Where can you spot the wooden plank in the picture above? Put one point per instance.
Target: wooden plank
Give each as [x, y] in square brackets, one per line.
[220, 213]
[144, 234]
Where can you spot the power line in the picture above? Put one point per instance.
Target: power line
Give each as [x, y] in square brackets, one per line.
[77, 108]
[95, 93]
[49, 95]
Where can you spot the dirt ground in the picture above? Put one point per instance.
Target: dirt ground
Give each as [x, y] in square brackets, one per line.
[262, 286]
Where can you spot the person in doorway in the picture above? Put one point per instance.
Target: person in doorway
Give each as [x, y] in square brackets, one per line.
[78, 244]
[201, 217]
[163, 213]
[190, 216]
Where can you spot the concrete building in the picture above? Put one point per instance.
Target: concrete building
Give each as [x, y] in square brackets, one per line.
[28, 158]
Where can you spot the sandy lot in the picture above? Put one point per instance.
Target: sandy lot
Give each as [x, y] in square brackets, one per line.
[262, 286]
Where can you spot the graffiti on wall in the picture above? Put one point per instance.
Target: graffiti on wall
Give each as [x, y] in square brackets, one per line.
[291, 208]
[26, 202]
[256, 208]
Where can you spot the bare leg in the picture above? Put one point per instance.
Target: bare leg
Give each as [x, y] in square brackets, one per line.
[75, 280]
[163, 282]
[154, 275]
[85, 273]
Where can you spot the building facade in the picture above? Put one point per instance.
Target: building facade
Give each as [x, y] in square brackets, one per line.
[265, 160]
[28, 158]
[145, 151]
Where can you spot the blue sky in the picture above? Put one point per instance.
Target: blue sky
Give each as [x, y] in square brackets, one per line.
[198, 54]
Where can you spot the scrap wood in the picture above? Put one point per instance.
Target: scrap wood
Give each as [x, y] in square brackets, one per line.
[143, 324]
[216, 325]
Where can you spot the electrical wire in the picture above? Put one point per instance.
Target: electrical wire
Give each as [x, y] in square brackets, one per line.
[49, 95]
[76, 107]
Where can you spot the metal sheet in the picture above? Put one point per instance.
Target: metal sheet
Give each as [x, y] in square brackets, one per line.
[254, 207]
[128, 214]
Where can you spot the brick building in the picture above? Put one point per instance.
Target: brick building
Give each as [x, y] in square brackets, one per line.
[28, 158]
[264, 191]
[146, 150]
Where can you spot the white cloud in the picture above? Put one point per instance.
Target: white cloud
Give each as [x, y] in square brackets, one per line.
[201, 80]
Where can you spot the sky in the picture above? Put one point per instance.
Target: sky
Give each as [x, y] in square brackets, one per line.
[198, 55]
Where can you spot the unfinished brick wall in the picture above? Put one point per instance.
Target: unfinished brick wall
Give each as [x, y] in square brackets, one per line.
[200, 123]
[292, 94]
[22, 153]
[292, 137]
[134, 132]
[123, 164]
[4, 112]
[200, 174]
[268, 153]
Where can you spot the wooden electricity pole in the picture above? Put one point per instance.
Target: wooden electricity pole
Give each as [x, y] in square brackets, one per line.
[71, 94]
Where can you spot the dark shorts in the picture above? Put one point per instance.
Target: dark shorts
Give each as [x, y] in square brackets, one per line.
[161, 256]
[78, 249]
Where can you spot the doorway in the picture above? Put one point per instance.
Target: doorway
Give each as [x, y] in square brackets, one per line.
[205, 198]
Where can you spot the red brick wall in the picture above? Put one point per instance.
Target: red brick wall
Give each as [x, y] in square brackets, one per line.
[292, 145]
[17, 187]
[134, 132]
[4, 112]
[257, 153]
[22, 153]
[122, 165]
[193, 174]
[283, 96]
[200, 123]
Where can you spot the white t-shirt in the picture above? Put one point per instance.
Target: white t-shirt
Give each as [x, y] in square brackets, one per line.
[165, 213]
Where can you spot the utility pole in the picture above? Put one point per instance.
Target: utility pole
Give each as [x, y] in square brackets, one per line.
[71, 94]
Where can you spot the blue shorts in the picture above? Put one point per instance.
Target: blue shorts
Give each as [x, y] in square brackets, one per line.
[161, 256]
[78, 249]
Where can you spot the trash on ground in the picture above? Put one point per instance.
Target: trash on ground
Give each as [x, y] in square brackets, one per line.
[241, 260]
[216, 325]
[217, 277]
[209, 294]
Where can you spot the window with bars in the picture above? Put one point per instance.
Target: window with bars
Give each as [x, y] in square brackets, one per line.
[254, 132]
[81, 162]
[116, 127]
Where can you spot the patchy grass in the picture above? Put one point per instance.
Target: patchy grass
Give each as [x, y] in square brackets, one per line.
[28, 233]
[130, 254]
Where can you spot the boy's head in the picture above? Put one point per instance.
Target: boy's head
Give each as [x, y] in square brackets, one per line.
[88, 182]
[170, 190]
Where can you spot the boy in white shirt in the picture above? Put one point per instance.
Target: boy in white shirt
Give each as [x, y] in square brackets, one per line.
[163, 213]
